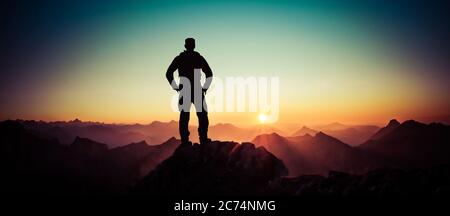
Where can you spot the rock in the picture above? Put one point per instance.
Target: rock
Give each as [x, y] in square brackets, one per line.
[87, 146]
[382, 183]
[218, 168]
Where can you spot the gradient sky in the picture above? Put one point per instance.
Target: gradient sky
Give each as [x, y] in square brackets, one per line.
[337, 60]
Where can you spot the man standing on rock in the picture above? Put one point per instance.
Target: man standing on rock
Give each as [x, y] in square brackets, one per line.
[191, 90]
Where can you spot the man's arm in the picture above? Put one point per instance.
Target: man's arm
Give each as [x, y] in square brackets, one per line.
[169, 74]
[208, 73]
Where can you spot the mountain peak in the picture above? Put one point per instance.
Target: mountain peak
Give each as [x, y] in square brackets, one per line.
[411, 144]
[156, 122]
[307, 135]
[85, 144]
[142, 142]
[272, 135]
[321, 135]
[303, 131]
[217, 168]
[76, 120]
[334, 126]
[171, 139]
[393, 122]
[275, 134]
[269, 138]
[391, 126]
[411, 123]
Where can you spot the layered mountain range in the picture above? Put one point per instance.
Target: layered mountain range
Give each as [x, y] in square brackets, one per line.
[35, 162]
[157, 132]
[40, 165]
[115, 135]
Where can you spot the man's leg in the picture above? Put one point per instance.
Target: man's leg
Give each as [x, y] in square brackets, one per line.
[203, 122]
[184, 107]
[184, 126]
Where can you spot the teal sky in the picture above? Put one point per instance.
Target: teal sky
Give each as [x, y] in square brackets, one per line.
[336, 62]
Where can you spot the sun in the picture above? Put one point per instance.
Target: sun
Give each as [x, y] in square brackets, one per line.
[262, 118]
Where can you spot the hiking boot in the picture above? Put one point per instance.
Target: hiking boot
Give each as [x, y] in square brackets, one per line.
[205, 141]
[185, 144]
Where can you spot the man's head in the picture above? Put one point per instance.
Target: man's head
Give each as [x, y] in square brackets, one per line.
[189, 44]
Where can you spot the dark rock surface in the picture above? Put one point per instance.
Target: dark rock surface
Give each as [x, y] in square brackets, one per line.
[34, 165]
[214, 169]
[417, 155]
[382, 183]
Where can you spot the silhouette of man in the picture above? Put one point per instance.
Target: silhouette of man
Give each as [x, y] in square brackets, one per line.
[189, 89]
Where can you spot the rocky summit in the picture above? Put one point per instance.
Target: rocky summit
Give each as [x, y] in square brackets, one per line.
[214, 169]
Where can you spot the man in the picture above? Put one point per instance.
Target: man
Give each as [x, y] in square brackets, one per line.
[190, 91]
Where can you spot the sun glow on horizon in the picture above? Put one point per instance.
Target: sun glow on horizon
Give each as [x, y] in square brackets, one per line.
[262, 118]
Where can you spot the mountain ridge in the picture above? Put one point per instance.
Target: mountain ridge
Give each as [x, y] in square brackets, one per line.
[86, 167]
[217, 168]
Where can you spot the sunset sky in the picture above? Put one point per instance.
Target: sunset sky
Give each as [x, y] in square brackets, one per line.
[106, 60]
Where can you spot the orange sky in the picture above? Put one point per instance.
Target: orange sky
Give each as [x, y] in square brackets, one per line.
[331, 67]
